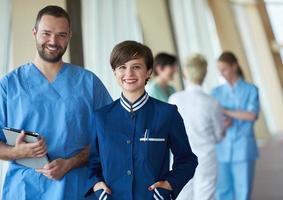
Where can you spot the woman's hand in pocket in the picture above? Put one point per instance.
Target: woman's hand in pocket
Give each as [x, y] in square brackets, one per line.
[101, 186]
[161, 184]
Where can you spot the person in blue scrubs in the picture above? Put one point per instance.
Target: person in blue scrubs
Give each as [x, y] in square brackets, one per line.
[129, 157]
[238, 151]
[57, 100]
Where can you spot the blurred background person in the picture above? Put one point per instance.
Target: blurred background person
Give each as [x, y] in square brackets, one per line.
[165, 66]
[238, 151]
[204, 124]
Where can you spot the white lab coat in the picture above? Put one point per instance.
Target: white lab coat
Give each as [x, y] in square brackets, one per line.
[204, 125]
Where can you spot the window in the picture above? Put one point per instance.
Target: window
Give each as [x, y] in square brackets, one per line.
[195, 32]
[274, 10]
[106, 23]
[5, 29]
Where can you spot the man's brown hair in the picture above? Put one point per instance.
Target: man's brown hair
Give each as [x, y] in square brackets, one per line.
[54, 11]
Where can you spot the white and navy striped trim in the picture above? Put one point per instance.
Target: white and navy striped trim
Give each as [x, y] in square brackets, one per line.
[135, 106]
[157, 195]
[103, 196]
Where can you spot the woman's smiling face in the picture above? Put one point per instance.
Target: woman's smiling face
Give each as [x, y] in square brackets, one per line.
[132, 75]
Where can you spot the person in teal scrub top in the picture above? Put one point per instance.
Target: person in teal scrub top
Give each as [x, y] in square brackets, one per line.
[238, 151]
[165, 66]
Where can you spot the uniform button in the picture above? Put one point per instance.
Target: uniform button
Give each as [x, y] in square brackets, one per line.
[129, 172]
[128, 141]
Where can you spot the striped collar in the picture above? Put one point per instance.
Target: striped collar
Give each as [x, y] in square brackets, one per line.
[132, 107]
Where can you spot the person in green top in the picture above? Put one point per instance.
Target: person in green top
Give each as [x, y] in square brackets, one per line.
[165, 66]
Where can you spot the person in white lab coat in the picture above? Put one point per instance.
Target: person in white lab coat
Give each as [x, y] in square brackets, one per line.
[205, 126]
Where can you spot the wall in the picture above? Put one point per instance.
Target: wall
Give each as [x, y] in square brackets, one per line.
[23, 19]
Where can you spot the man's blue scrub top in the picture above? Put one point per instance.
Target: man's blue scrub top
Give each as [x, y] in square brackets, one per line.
[60, 111]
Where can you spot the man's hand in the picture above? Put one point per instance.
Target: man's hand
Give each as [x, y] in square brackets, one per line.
[29, 150]
[56, 169]
[161, 184]
[101, 185]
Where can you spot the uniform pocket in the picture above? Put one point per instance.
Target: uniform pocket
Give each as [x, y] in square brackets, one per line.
[161, 194]
[149, 137]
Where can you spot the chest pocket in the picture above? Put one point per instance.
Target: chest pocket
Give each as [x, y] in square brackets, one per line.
[155, 145]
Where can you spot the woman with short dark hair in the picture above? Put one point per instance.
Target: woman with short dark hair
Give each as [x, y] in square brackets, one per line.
[130, 149]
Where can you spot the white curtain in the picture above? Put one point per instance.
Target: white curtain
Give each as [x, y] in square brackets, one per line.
[195, 31]
[5, 7]
[105, 23]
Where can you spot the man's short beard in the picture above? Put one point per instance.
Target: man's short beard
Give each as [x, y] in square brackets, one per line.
[47, 58]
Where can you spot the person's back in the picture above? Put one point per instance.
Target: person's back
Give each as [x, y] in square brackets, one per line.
[201, 114]
[204, 126]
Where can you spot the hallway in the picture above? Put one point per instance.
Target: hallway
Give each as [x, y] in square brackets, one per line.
[269, 176]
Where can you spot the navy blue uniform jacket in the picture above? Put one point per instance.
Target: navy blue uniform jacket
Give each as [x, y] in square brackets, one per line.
[130, 150]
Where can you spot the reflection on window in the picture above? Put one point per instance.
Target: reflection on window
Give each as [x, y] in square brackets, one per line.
[275, 12]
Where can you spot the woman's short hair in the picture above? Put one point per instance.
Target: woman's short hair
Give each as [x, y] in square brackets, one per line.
[196, 67]
[129, 50]
[164, 60]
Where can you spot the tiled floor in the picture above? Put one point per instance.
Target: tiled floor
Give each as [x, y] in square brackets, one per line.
[269, 172]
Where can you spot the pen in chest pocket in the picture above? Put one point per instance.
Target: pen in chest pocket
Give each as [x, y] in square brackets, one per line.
[146, 134]
[151, 139]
